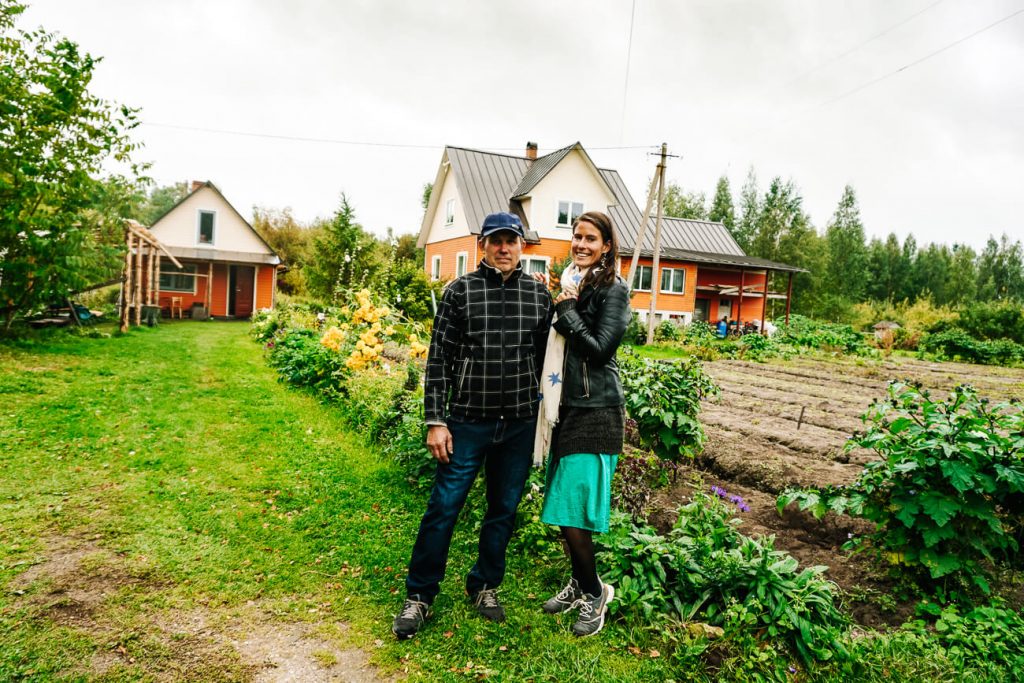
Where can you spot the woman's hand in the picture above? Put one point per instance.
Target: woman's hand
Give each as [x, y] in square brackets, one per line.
[564, 296]
[541, 278]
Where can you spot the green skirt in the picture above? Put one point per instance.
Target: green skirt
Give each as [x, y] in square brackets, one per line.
[579, 491]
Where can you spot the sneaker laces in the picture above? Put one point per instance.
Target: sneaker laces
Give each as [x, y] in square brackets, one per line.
[412, 609]
[566, 592]
[587, 606]
[488, 597]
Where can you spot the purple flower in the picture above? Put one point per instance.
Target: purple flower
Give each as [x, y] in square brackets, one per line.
[744, 507]
[718, 492]
[792, 670]
[735, 499]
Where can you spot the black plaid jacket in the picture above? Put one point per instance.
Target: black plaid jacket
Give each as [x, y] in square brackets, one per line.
[487, 348]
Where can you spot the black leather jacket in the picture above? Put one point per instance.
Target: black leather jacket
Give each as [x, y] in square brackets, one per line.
[593, 327]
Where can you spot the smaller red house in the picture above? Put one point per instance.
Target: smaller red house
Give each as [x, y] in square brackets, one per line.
[227, 270]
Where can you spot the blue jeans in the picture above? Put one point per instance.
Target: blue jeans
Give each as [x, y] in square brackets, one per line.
[504, 448]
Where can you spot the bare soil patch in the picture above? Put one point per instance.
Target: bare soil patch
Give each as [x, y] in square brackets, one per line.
[81, 585]
[784, 424]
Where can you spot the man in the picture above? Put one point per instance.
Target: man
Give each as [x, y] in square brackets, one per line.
[480, 400]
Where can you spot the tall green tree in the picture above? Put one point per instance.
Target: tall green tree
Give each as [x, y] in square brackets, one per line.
[682, 204]
[963, 276]
[292, 240]
[931, 272]
[344, 256]
[750, 213]
[158, 201]
[722, 209]
[781, 210]
[846, 273]
[60, 227]
[1001, 270]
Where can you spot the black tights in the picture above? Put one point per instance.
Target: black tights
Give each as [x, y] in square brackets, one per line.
[581, 554]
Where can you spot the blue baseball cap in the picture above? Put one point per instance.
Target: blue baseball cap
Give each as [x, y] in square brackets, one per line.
[496, 222]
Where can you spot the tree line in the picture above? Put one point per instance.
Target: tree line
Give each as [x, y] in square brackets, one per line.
[844, 267]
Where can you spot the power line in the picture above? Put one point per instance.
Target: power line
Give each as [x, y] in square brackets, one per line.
[335, 141]
[625, 82]
[858, 46]
[918, 61]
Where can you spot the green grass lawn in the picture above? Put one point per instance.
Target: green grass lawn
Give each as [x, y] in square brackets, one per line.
[201, 483]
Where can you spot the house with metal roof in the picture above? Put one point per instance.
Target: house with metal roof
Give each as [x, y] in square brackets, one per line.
[703, 273]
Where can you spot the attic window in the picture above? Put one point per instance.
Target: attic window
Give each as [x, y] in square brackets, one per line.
[449, 212]
[568, 211]
[206, 223]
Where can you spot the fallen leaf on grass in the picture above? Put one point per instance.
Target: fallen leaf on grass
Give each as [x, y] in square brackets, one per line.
[634, 650]
[448, 634]
[655, 653]
[502, 649]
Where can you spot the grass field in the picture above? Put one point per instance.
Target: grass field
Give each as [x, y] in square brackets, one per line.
[169, 511]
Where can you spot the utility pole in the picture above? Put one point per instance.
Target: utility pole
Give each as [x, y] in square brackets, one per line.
[655, 280]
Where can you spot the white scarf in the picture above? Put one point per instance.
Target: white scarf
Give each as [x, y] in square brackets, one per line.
[551, 376]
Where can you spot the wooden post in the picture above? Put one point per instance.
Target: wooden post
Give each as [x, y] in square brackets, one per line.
[137, 274]
[739, 313]
[126, 281]
[642, 232]
[156, 280]
[209, 290]
[151, 253]
[655, 280]
[764, 304]
[789, 295]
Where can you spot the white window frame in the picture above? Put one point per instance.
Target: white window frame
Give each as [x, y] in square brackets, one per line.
[528, 259]
[673, 271]
[461, 258]
[449, 212]
[199, 228]
[169, 270]
[435, 267]
[727, 306]
[638, 278]
[571, 203]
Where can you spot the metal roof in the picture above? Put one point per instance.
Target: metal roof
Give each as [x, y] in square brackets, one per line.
[485, 181]
[207, 254]
[539, 169]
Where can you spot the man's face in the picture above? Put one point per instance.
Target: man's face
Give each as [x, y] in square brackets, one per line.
[502, 250]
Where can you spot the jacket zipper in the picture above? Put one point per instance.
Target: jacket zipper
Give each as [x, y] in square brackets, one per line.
[501, 386]
[586, 380]
[462, 375]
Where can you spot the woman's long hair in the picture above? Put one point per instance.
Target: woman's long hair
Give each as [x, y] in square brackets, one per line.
[604, 274]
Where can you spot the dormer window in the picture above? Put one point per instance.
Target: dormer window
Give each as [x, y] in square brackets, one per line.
[568, 211]
[207, 220]
[449, 212]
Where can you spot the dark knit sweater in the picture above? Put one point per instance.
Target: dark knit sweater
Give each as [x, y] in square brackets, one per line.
[588, 430]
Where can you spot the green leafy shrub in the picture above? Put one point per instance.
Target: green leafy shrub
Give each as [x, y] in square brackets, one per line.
[988, 637]
[705, 567]
[758, 347]
[947, 493]
[664, 399]
[300, 359]
[636, 332]
[405, 443]
[813, 334]
[667, 331]
[699, 333]
[993, 321]
[957, 344]
[636, 478]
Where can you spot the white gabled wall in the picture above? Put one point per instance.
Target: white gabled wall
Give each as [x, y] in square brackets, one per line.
[573, 180]
[438, 231]
[180, 227]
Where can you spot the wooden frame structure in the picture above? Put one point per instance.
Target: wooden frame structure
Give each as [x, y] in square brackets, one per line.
[140, 278]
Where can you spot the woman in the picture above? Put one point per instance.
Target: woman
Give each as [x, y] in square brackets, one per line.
[592, 313]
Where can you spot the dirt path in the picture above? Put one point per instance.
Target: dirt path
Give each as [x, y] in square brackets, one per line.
[78, 585]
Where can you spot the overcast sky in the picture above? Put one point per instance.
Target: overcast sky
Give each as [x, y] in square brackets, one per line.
[936, 150]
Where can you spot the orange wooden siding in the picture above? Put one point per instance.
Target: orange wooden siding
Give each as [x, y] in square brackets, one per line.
[219, 304]
[187, 298]
[556, 250]
[753, 306]
[681, 303]
[266, 277]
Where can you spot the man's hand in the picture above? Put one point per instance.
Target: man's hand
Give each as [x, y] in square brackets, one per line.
[439, 441]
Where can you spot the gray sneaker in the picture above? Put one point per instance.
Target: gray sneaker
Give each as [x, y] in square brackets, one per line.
[414, 614]
[565, 599]
[486, 603]
[593, 610]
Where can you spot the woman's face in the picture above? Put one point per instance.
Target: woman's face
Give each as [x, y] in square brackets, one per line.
[587, 245]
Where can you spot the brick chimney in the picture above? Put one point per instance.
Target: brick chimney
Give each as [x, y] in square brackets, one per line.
[196, 184]
[531, 150]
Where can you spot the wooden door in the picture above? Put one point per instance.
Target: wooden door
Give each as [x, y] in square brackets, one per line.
[242, 290]
[700, 309]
